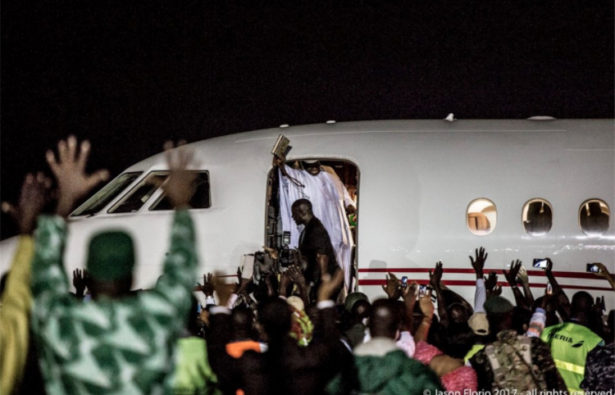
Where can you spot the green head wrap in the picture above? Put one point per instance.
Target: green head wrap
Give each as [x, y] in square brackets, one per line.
[111, 256]
[498, 305]
[353, 298]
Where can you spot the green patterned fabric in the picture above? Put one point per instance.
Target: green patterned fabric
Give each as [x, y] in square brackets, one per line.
[109, 346]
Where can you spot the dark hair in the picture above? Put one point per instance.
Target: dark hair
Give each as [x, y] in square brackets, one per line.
[458, 340]
[520, 317]
[275, 317]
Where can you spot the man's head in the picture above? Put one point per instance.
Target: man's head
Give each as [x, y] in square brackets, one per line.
[499, 314]
[580, 306]
[111, 259]
[385, 319]
[302, 211]
[243, 319]
[458, 313]
[311, 166]
[274, 317]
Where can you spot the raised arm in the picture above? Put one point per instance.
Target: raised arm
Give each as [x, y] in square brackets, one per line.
[511, 277]
[427, 309]
[435, 279]
[478, 263]
[49, 280]
[180, 264]
[604, 273]
[409, 295]
[525, 281]
[17, 298]
[563, 303]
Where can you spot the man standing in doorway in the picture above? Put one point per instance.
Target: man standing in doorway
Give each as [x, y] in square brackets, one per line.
[328, 206]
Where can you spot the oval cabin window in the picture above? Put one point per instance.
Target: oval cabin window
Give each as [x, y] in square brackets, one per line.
[594, 215]
[482, 217]
[537, 217]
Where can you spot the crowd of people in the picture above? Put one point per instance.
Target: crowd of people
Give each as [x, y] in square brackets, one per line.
[292, 330]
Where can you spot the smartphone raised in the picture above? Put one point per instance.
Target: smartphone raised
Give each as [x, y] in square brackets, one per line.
[592, 268]
[404, 282]
[540, 263]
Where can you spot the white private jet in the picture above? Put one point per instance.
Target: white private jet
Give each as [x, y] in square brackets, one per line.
[427, 191]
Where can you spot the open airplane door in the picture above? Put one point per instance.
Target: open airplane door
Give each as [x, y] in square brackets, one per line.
[331, 186]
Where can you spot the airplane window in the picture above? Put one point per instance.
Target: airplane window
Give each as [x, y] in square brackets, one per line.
[482, 217]
[594, 215]
[105, 195]
[200, 199]
[537, 217]
[140, 194]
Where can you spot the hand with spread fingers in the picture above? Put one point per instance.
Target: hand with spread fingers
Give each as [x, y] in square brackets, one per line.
[435, 278]
[478, 262]
[69, 170]
[179, 186]
[34, 196]
[208, 285]
[392, 286]
[296, 276]
[511, 275]
[490, 284]
[79, 282]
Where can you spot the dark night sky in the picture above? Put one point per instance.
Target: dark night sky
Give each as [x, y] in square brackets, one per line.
[130, 74]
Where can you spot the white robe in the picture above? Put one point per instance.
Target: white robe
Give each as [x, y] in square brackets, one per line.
[327, 206]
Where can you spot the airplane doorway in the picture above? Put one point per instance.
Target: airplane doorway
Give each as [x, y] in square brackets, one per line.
[349, 175]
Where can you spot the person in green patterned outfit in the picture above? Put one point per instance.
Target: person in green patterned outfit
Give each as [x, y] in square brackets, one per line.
[117, 344]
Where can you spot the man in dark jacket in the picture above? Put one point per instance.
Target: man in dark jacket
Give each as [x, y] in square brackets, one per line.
[314, 243]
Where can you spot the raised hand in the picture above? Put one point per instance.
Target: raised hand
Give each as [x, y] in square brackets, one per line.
[296, 275]
[79, 282]
[208, 285]
[34, 196]
[436, 277]
[392, 286]
[223, 290]
[511, 275]
[426, 305]
[69, 170]
[599, 307]
[330, 284]
[410, 291]
[490, 283]
[179, 186]
[478, 262]
[523, 276]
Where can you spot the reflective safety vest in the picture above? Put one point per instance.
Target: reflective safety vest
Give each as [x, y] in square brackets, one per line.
[475, 348]
[570, 343]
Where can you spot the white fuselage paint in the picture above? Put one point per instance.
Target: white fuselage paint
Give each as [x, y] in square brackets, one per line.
[416, 181]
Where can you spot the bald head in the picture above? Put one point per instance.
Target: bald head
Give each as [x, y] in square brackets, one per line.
[385, 319]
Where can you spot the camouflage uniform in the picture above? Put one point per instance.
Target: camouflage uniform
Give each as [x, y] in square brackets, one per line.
[109, 346]
[541, 357]
[600, 369]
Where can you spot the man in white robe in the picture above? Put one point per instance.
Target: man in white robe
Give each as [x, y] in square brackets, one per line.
[328, 205]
